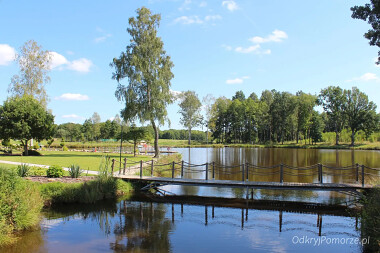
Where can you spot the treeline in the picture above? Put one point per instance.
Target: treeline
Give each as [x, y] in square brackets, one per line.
[277, 116]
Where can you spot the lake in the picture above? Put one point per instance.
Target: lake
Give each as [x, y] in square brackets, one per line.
[139, 224]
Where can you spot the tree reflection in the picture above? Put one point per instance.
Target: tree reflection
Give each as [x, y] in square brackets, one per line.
[142, 227]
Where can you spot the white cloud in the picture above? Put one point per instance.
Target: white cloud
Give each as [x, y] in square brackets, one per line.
[276, 36]
[72, 96]
[72, 116]
[227, 47]
[80, 65]
[251, 49]
[203, 4]
[230, 5]
[188, 20]
[7, 54]
[185, 5]
[235, 81]
[102, 38]
[213, 17]
[368, 77]
[57, 60]
[175, 93]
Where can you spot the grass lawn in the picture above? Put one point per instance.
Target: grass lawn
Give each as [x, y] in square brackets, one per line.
[86, 160]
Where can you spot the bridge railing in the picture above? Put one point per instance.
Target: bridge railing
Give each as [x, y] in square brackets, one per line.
[245, 171]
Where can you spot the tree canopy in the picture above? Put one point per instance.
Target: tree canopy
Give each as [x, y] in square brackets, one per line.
[34, 64]
[25, 119]
[148, 69]
[190, 111]
[370, 12]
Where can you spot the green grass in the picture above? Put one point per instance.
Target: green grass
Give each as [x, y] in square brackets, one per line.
[86, 160]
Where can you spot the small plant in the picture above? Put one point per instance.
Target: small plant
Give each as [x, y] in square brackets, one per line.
[36, 146]
[65, 148]
[75, 171]
[105, 168]
[37, 171]
[23, 170]
[54, 171]
[50, 142]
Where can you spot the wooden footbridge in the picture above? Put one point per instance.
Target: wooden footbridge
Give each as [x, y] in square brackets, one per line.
[249, 176]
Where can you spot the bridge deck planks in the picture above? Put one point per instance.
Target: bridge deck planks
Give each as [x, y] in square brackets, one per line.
[247, 184]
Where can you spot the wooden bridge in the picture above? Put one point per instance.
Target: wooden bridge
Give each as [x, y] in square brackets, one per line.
[249, 176]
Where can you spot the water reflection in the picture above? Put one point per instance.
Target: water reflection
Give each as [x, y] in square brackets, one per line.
[143, 225]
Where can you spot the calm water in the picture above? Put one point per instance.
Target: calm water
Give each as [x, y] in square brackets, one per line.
[146, 226]
[134, 226]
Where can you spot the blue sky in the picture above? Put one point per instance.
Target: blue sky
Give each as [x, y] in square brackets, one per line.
[217, 47]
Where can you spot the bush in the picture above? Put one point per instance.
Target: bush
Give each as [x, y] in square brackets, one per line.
[37, 171]
[23, 170]
[75, 171]
[36, 146]
[32, 153]
[64, 148]
[20, 205]
[54, 171]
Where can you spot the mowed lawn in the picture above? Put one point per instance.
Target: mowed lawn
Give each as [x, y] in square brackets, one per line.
[86, 160]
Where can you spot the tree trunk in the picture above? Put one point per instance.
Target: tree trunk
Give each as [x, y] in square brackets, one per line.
[297, 135]
[134, 148]
[156, 148]
[353, 138]
[189, 142]
[26, 147]
[336, 138]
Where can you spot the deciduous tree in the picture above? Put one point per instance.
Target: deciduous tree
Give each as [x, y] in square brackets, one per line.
[190, 111]
[148, 69]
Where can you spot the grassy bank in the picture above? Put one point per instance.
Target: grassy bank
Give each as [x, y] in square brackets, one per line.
[86, 160]
[21, 201]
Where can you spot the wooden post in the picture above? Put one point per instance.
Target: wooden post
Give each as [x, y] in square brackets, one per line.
[173, 169]
[125, 165]
[141, 165]
[119, 168]
[206, 171]
[281, 173]
[357, 173]
[151, 168]
[247, 169]
[319, 172]
[362, 175]
[213, 170]
[113, 165]
[242, 173]
[182, 169]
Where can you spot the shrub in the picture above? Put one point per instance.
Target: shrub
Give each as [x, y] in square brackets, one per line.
[36, 146]
[37, 171]
[54, 171]
[20, 205]
[75, 171]
[23, 170]
[32, 153]
[64, 148]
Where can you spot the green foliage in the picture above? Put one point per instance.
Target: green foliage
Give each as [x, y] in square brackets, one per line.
[36, 146]
[50, 142]
[148, 70]
[37, 171]
[20, 205]
[65, 148]
[135, 135]
[105, 168]
[190, 111]
[75, 171]
[370, 12]
[54, 171]
[24, 119]
[370, 220]
[34, 66]
[88, 192]
[23, 170]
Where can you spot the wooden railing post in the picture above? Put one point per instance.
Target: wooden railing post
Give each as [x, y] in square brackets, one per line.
[113, 165]
[321, 174]
[213, 170]
[141, 170]
[206, 171]
[247, 170]
[281, 173]
[242, 173]
[125, 165]
[362, 175]
[151, 168]
[173, 169]
[357, 173]
[182, 169]
[120, 168]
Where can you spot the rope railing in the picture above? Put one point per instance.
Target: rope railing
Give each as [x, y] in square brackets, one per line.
[247, 170]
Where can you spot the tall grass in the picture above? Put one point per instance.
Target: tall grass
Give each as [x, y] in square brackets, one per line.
[370, 220]
[20, 205]
[75, 171]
